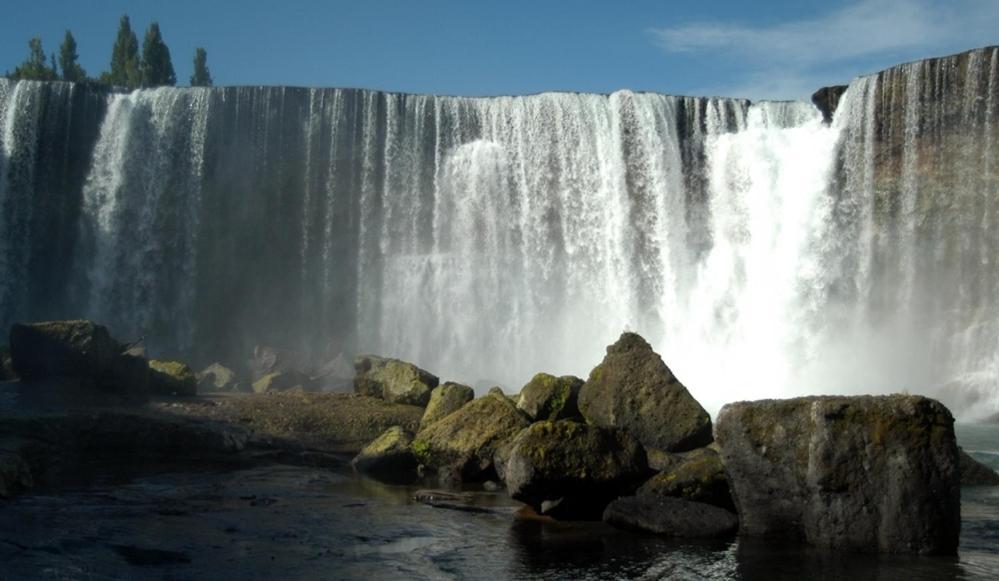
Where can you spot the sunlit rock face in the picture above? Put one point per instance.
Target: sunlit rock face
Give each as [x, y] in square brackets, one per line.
[761, 251]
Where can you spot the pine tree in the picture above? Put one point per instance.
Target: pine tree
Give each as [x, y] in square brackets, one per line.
[201, 76]
[35, 67]
[71, 69]
[124, 57]
[157, 69]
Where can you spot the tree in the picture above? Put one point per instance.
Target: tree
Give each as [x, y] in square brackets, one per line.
[124, 57]
[157, 70]
[71, 69]
[35, 67]
[201, 76]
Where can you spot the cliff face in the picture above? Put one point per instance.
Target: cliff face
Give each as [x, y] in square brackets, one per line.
[745, 240]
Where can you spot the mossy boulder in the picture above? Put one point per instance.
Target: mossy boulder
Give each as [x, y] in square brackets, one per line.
[283, 381]
[572, 470]
[217, 378]
[389, 457]
[446, 399]
[871, 473]
[975, 473]
[77, 349]
[393, 380]
[698, 475]
[674, 517]
[172, 378]
[466, 440]
[547, 397]
[633, 389]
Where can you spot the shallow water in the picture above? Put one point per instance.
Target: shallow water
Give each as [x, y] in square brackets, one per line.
[304, 523]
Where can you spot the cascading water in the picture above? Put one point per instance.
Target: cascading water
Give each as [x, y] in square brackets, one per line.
[761, 251]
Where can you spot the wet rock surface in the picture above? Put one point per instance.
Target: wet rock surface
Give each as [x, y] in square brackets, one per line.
[389, 457]
[671, 516]
[860, 473]
[634, 390]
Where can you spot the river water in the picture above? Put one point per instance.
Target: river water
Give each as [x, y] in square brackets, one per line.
[283, 522]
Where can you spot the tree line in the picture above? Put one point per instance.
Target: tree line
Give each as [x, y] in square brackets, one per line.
[129, 67]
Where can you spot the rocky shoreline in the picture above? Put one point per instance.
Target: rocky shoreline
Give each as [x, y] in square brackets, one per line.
[628, 445]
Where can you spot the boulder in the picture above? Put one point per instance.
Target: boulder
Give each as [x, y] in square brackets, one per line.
[698, 475]
[283, 381]
[633, 389]
[975, 473]
[671, 516]
[389, 457]
[171, 378]
[466, 440]
[871, 473]
[571, 470]
[217, 377]
[6, 365]
[335, 375]
[64, 349]
[445, 399]
[130, 374]
[393, 380]
[268, 360]
[15, 471]
[827, 99]
[547, 397]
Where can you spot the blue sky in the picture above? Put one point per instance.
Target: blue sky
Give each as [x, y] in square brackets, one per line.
[777, 49]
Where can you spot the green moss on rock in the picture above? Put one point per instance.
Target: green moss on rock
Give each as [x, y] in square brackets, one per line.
[547, 397]
[172, 378]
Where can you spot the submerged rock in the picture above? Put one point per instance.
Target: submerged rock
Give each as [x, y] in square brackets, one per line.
[217, 377]
[446, 399]
[975, 473]
[572, 470]
[547, 397]
[467, 439]
[671, 516]
[389, 457]
[858, 473]
[633, 389]
[698, 475]
[172, 378]
[393, 380]
[451, 500]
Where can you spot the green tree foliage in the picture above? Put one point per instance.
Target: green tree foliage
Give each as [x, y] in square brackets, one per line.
[35, 67]
[68, 60]
[201, 76]
[124, 57]
[157, 69]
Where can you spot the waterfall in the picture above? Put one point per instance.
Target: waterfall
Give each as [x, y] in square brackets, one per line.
[763, 252]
